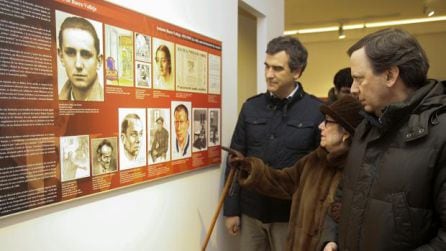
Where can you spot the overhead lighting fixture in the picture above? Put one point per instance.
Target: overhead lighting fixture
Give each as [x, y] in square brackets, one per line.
[341, 34]
[367, 25]
[315, 30]
[428, 11]
[406, 21]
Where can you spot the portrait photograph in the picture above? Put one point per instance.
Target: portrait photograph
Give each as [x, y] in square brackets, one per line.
[214, 126]
[199, 127]
[159, 136]
[104, 152]
[80, 60]
[132, 137]
[181, 129]
[163, 54]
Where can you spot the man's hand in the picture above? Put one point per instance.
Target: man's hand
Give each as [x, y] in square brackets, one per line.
[232, 153]
[236, 162]
[233, 225]
[235, 158]
[331, 246]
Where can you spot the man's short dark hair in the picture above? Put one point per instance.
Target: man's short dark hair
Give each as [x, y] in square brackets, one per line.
[82, 24]
[293, 48]
[343, 78]
[160, 119]
[181, 107]
[125, 122]
[395, 47]
[104, 142]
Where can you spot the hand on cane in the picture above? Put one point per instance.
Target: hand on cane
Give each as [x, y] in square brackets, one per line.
[236, 219]
[238, 161]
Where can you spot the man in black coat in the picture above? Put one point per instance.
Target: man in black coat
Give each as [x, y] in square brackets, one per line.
[279, 127]
[393, 192]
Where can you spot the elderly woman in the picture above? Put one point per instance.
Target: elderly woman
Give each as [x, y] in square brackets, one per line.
[312, 181]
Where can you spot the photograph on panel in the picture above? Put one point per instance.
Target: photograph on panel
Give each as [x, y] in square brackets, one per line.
[143, 57]
[191, 69]
[214, 126]
[214, 74]
[143, 76]
[199, 137]
[74, 157]
[132, 140]
[159, 128]
[104, 154]
[181, 129]
[143, 51]
[80, 59]
[118, 56]
[163, 64]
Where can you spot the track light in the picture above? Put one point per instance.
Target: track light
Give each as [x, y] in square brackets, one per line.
[341, 34]
[366, 25]
[428, 11]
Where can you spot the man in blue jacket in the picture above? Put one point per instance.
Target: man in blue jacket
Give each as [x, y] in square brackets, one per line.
[279, 127]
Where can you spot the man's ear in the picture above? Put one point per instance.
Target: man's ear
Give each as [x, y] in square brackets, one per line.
[100, 57]
[345, 137]
[392, 75]
[60, 53]
[296, 74]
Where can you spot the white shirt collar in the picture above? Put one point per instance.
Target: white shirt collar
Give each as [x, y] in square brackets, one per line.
[289, 95]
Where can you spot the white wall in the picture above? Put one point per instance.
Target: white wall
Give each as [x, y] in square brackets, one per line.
[247, 56]
[270, 24]
[172, 214]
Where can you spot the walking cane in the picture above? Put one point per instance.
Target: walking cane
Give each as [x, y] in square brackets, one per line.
[228, 183]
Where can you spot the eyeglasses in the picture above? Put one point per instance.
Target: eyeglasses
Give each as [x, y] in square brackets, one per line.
[328, 121]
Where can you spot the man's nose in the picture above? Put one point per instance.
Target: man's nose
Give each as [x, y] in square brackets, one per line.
[354, 89]
[269, 73]
[79, 64]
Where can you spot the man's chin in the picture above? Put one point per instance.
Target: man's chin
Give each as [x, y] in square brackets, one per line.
[271, 89]
[368, 109]
[81, 85]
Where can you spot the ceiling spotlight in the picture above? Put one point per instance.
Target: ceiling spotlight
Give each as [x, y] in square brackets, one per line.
[428, 11]
[366, 25]
[341, 34]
